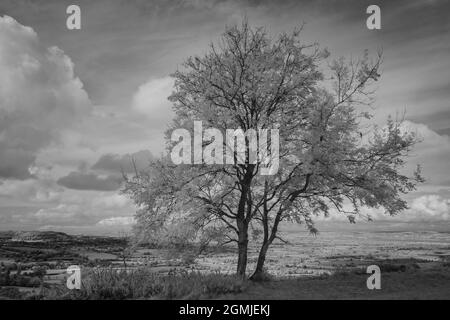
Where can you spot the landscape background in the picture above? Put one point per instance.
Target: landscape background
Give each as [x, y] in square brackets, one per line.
[77, 105]
[415, 264]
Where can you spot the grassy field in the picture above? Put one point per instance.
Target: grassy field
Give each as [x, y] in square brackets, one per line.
[398, 281]
[414, 265]
[418, 284]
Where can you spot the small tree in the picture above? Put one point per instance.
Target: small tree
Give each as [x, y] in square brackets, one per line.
[328, 155]
[126, 248]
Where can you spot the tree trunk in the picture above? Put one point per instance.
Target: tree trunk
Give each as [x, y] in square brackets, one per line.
[242, 223]
[242, 252]
[258, 275]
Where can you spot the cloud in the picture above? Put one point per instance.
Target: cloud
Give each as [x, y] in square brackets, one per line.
[106, 173]
[430, 138]
[62, 212]
[116, 221]
[430, 207]
[151, 100]
[425, 208]
[114, 201]
[116, 163]
[432, 153]
[31, 190]
[431, 201]
[82, 210]
[39, 97]
[41, 100]
[74, 208]
[90, 181]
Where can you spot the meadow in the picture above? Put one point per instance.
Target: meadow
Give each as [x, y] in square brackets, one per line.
[414, 263]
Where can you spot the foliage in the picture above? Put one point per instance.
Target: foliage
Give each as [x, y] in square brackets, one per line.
[10, 293]
[30, 279]
[143, 283]
[330, 156]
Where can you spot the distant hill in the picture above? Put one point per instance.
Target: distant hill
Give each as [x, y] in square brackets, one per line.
[45, 236]
[55, 237]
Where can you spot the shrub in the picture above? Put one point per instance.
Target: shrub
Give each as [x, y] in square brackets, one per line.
[143, 284]
[10, 293]
[390, 267]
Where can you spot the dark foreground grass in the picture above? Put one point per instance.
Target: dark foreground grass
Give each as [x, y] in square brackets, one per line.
[104, 284]
[410, 284]
[396, 283]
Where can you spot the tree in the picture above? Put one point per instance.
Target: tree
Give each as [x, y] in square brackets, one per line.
[126, 248]
[330, 158]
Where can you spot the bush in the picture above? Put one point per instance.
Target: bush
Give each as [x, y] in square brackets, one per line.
[99, 284]
[390, 267]
[39, 272]
[10, 293]
[188, 259]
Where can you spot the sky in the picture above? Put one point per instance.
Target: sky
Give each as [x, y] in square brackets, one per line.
[76, 105]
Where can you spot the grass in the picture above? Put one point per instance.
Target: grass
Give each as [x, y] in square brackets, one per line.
[141, 283]
[10, 293]
[399, 280]
[408, 284]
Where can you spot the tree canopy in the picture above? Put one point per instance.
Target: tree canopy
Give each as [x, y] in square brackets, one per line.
[330, 156]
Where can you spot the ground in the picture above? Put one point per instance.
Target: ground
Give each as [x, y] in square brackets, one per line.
[417, 284]
[414, 262]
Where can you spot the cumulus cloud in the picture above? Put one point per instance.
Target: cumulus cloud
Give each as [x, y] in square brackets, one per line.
[117, 163]
[106, 173]
[90, 181]
[116, 221]
[78, 208]
[61, 212]
[39, 97]
[151, 100]
[425, 208]
[430, 207]
[117, 201]
[31, 190]
[432, 200]
[432, 153]
[429, 137]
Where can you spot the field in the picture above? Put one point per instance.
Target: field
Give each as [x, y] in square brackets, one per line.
[415, 263]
